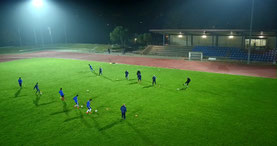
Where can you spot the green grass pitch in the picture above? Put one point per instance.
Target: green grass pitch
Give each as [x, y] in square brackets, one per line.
[216, 109]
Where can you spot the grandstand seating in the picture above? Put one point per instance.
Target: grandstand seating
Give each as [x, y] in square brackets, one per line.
[235, 53]
[170, 50]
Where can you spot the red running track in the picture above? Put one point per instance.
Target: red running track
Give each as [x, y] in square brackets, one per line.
[267, 71]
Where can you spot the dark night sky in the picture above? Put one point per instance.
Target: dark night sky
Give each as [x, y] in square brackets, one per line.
[92, 20]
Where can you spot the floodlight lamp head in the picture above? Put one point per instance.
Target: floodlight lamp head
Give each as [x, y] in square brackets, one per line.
[230, 36]
[37, 3]
[261, 36]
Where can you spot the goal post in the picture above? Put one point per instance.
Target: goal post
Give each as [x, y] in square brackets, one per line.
[195, 56]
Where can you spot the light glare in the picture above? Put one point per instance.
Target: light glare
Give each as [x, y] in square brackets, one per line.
[261, 36]
[37, 3]
[204, 36]
[231, 36]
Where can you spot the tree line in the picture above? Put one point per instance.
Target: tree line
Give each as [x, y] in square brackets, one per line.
[121, 36]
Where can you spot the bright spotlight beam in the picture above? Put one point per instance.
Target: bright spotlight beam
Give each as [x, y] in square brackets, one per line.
[37, 3]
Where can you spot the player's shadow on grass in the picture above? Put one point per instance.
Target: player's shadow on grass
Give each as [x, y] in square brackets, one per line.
[17, 92]
[141, 135]
[108, 78]
[109, 126]
[55, 113]
[125, 80]
[133, 83]
[113, 124]
[36, 101]
[148, 86]
[97, 96]
[46, 103]
[94, 73]
[97, 126]
[83, 120]
[71, 119]
[100, 107]
[65, 108]
[184, 88]
[81, 117]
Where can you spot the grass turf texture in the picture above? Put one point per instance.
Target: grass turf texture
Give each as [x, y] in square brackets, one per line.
[216, 109]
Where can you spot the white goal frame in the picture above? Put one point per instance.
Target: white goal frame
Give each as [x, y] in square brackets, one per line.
[196, 56]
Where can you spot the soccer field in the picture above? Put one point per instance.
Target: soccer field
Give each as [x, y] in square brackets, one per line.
[216, 109]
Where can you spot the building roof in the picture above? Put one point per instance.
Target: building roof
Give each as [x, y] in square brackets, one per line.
[235, 32]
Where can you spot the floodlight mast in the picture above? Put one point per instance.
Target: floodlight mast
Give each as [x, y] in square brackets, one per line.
[38, 4]
[250, 33]
[19, 34]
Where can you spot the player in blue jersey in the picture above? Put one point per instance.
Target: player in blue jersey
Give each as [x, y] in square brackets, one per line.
[76, 101]
[37, 89]
[88, 106]
[127, 75]
[100, 71]
[187, 82]
[139, 78]
[123, 111]
[20, 82]
[91, 69]
[61, 93]
[154, 80]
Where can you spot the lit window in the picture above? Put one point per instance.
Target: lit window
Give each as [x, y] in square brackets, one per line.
[256, 42]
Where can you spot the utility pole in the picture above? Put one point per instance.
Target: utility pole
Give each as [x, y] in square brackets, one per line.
[42, 37]
[19, 35]
[18, 30]
[65, 34]
[163, 39]
[35, 37]
[50, 34]
[275, 52]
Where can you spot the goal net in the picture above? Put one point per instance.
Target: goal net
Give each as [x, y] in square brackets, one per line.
[195, 56]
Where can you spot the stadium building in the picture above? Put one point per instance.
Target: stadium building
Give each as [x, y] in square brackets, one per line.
[220, 43]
